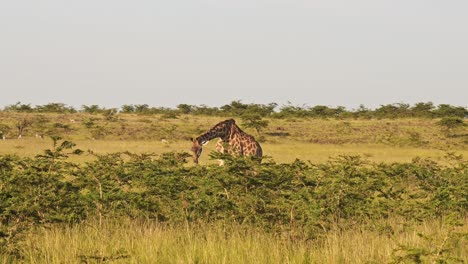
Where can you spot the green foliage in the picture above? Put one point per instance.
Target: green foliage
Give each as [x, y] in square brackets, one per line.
[423, 110]
[92, 109]
[127, 109]
[54, 108]
[185, 108]
[450, 123]
[37, 191]
[451, 126]
[393, 111]
[90, 123]
[47, 108]
[19, 107]
[239, 109]
[110, 115]
[445, 110]
[254, 121]
[142, 109]
[60, 128]
[298, 199]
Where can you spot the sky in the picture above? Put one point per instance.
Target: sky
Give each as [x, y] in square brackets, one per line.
[212, 52]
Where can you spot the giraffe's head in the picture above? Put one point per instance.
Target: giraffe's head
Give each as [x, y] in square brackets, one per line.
[220, 130]
[196, 150]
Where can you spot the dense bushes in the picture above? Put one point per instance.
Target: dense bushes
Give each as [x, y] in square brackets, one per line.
[299, 198]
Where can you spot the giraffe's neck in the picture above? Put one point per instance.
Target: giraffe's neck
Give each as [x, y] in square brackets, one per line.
[221, 130]
[210, 134]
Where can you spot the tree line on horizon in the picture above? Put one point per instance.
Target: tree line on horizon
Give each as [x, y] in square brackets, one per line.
[272, 110]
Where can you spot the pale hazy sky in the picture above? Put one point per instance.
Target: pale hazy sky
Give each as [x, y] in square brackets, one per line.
[163, 53]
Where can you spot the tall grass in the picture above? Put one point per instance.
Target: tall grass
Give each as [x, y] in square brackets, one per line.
[132, 241]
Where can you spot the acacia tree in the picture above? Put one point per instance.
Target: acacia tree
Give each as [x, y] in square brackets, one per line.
[127, 109]
[22, 125]
[450, 124]
[54, 108]
[255, 121]
[19, 107]
[92, 109]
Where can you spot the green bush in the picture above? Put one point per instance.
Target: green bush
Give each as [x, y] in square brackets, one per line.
[450, 123]
[299, 197]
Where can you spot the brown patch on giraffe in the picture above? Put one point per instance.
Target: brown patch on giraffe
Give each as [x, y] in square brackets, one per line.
[238, 142]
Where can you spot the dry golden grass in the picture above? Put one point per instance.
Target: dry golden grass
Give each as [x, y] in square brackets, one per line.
[283, 152]
[150, 242]
[316, 140]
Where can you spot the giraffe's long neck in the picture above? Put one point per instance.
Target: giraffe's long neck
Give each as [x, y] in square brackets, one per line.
[221, 130]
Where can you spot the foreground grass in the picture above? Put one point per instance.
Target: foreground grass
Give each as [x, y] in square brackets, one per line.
[150, 242]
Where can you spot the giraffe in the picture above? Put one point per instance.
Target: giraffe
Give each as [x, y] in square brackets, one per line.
[232, 140]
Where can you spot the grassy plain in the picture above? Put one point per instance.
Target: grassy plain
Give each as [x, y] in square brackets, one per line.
[284, 152]
[398, 140]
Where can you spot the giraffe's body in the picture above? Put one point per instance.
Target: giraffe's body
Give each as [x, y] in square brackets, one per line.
[232, 140]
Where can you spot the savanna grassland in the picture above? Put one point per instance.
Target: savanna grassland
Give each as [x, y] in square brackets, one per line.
[121, 188]
[387, 140]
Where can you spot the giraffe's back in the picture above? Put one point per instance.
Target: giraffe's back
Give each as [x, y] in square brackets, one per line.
[250, 146]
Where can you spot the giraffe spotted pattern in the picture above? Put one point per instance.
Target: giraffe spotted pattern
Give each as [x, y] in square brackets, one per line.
[233, 141]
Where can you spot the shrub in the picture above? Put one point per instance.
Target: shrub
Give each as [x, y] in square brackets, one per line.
[298, 198]
[450, 123]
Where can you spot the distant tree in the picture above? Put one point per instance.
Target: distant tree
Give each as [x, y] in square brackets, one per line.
[60, 129]
[185, 108]
[289, 110]
[325, 111]
[19, 107]
[262, 110]
[127, 109]
[206, 110]
[254, 121]
[423, 109]
[340, 112]
[362, 112]
[21, 125]
[319, 111]
[393, 111]
[41, 124]
[445, 110]
[142, 109]
[236, 108]
[92, 109]
[451, 123]
[55, 108]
